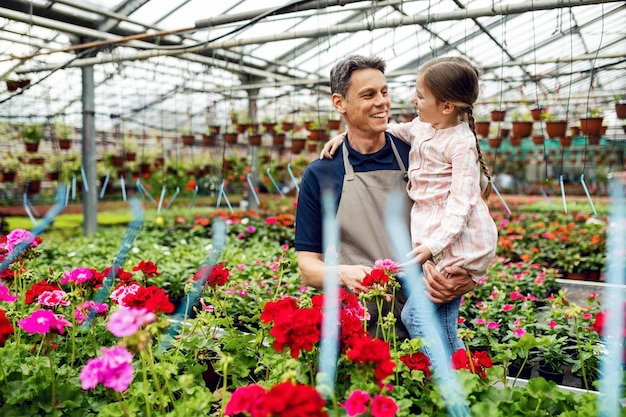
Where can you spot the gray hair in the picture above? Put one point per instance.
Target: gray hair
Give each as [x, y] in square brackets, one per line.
[340, 74]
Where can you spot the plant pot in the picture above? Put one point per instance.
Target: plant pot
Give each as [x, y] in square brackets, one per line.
[230, 138]
[131, 156]
[208, 140]
[521, 129]
[516, 371]
[550, 375]
[591, 126]
[287, 126]
[53, 176]
[117, 161]
[495, 142]
[255, 140]
[269, 126]
[575, 276]
[297, 145]
[515, 141]
[33, 187]
[188, 140]
[536, 113]
[620, 110]
[592, 275]
[8, 176]
[31, 147]
[334, 124]
[574, 130]
[565, 141]
[482, 128]
[498, 115]
[316, 134]
[556, 129]
[538, 140]
[215, 130]
[279, 139]
[594, 140]
[39, 160]
[65, 144]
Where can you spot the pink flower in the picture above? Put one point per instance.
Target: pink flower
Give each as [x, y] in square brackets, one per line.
[251, 229]
[383, 406]
[357, 403]
[247, 400]
[5, 296]
[592, 296]
[18, 236]
[553, 324]
[519, 332]
[587, 316]
[206, 307]
[492, 325]
[494, 294]
[113, 369]
[85, 309]
[53, 298]
[242, 293]
[43, 321]
[480, 321]
[78, 275]
[507, 307]
[390, 267]
[122, 291]
[126, 321]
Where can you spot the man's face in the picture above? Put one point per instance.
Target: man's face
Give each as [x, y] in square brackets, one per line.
[366, 107]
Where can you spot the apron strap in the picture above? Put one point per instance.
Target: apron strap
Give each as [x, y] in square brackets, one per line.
[346, 164]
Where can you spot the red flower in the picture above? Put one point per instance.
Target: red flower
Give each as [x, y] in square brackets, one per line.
[120, 274]
[417, 361]
[217, 275]
[480, 361]
[298, 328]
[148, 268]
[384, 406]
[6, 329]
[377, 276]
[373, 351]
[37, 289]
[289, 400]
[151, 298]
[247, 400]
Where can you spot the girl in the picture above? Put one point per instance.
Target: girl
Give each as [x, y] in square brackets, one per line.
[450, 222]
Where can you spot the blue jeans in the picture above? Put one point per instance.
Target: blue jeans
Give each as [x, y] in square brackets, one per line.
[444, 321]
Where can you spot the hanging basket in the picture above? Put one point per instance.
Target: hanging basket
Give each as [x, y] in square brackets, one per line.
[231, 138]
[538, 140]
[574, 130]
[521, 129]
[287, 126]
[9, 176]
[556, 129]
[297, 145]
[31, 147]
[565, 141]
[188, 140]
[117, 161]
[33, 187]
[591, 126]
[536, 113]
[482, 128]
[515, 141]
[208, 141]
[316, 134]
[593, 140]
[620, 110]
[279, 139]
[334, 124]
[495, 142]
[131, 156]
[498, 115]
[255, 140]
[65, 144]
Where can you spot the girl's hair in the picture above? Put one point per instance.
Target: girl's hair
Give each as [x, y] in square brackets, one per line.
[455, 80]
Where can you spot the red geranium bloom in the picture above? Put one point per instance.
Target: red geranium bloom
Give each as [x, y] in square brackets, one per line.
[480, 361]
[246, 400]
[373, 351]
[417, 361]
[215, 276]
[148, 268]
[122, 275]
[6, 328]
[377, 276]
[152, 298]
[289, 400]
[37, 289]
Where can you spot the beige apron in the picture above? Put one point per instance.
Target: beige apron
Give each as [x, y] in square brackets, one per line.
[362, 235]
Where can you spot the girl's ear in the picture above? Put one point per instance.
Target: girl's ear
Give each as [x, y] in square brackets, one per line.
[448, 108]
[338, 102]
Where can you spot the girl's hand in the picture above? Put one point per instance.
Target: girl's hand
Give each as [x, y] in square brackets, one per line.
[331, 146]
[420, 255]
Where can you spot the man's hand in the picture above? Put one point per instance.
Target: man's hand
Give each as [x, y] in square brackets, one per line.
[443, 289]
[351, 277]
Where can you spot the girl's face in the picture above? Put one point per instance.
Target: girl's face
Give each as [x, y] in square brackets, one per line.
[429, 109]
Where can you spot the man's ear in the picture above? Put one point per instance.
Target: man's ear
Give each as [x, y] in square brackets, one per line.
[338, 102]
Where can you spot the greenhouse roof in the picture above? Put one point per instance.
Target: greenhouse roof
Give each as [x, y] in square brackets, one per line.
[160, 65]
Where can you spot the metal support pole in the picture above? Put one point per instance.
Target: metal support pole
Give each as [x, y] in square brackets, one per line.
[90, 194]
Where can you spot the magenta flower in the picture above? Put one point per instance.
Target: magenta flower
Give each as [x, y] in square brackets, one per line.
[384, 406]
[85, 309]
[43, 321]
[16, 237]
[53, 298]
[519, 332]
[251, 229]
[78, 276]
[480, 321]
[113, 369]
[357, 403]
[507, 307]
[390, 267]
[122, 291]
[553, 324]
[492, 325]
[126, 321]
[5, 296]
[206, 307]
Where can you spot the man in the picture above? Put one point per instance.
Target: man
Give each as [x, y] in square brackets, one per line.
[365, 170]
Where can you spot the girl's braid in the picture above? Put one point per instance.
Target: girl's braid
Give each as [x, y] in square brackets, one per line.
[483, 165]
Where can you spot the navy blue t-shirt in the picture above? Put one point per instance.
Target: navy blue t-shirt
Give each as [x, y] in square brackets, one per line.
[327, 174]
